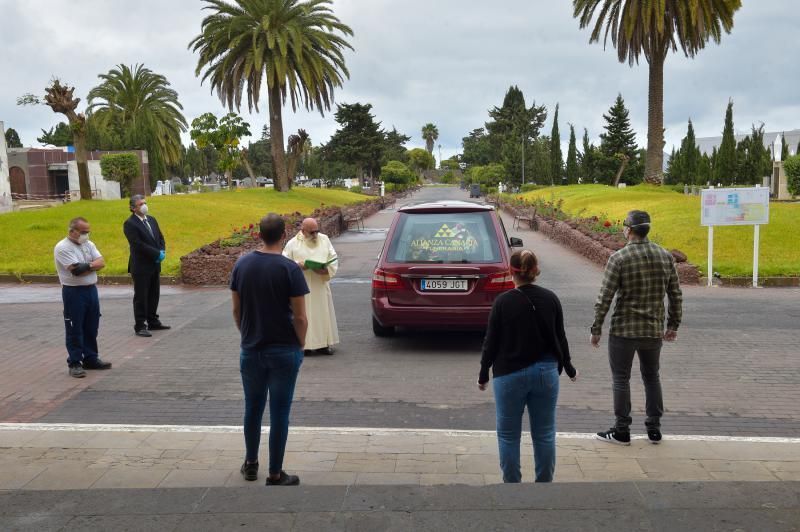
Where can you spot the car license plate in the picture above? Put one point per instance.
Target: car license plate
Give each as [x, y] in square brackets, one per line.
[444, 284]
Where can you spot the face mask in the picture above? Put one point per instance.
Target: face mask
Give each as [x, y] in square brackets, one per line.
[143, 209]
[82, 239]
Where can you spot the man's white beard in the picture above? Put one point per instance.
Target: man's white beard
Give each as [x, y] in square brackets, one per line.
[311, 242]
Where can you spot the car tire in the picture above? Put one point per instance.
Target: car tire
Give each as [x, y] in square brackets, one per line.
[380, 330]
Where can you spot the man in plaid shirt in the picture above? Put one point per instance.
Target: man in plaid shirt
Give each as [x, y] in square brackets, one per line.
[640, 274]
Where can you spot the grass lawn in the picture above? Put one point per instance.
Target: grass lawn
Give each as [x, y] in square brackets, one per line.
[187, 221]
[676, 225]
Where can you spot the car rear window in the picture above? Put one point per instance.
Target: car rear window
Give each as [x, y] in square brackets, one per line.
[459, 237]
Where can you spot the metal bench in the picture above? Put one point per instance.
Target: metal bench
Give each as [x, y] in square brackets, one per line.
[356, 219]
[527, 218]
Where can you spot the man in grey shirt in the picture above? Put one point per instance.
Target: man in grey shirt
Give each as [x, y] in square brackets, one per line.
[77, 262]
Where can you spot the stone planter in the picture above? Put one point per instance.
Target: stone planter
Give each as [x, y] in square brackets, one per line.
[212, 263]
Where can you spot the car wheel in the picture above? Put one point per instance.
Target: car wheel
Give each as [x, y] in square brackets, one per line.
[380, 330]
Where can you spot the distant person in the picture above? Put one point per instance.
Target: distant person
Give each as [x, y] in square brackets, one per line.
[310, 244]
[269, 309]
[641, 274]
[526, 348]
[77, 263]
[147, 252]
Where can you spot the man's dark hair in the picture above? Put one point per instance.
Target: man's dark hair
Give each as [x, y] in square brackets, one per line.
[272, 228]
[133, 201]
[639, 222]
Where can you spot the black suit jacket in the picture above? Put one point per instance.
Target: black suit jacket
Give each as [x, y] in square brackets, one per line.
[144, 247]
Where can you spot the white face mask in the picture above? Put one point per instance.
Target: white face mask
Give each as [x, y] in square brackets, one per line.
[143, 209]
[82, 239]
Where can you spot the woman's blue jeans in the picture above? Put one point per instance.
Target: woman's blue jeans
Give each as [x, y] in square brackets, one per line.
[270, 372]
[537, 388]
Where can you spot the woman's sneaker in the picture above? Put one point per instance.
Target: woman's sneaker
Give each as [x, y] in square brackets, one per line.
[249, 470]
[284, 480]
[614, 436]
[654, 435]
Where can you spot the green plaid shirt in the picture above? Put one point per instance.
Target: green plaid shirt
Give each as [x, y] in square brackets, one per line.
[640, 274]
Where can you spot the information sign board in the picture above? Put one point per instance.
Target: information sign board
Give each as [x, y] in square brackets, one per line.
[735, 206]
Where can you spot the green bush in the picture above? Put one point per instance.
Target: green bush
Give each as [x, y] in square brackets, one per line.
[120, 167]
[792, 168]
[397, 173]
[356, 189]
[448, 178]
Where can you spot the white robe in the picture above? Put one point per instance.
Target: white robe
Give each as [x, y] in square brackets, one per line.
[322, 328]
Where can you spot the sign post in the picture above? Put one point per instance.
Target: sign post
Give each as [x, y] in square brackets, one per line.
[734, 206]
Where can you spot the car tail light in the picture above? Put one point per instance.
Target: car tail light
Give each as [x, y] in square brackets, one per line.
[500, 282]
[385, 280]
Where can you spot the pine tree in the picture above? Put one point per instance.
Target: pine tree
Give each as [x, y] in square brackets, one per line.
[725, 163]
[674, 172]
[618, 143]
[572, 158]
[556, 159]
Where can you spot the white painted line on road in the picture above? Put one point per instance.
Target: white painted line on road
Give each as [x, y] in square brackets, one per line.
[237, 429]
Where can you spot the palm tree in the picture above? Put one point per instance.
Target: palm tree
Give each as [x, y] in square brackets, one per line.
[141, 107]
[430, 133]
[653, 29]
[295, 46]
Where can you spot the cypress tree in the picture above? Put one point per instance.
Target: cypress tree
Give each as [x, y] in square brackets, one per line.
[726, 163]
[556, 159]
[588, 159]
[784, 146]
[572, 158]
[690, 156]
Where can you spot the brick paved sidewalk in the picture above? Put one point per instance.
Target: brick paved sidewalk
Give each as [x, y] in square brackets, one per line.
[69, 457]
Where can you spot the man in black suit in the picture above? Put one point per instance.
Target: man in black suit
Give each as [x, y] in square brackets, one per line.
[147, 252]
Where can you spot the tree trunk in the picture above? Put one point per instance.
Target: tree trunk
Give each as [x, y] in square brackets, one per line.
[622, 167]
[249, 168]
[78, 124]
[654, 171]
[276, 140]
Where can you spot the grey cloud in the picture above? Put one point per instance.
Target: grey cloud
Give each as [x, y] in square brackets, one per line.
[416, 61]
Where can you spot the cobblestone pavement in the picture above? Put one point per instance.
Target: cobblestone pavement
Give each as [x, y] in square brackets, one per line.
[733, 371]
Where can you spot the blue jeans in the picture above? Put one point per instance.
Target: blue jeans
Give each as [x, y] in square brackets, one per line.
[537, 388]
[81, 321]
[274, 372]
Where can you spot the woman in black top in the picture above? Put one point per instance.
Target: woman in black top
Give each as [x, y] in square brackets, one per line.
[527, 349]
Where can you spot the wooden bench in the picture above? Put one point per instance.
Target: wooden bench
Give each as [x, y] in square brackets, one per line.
[356, 219]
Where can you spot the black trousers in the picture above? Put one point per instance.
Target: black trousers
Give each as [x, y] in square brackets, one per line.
[620, 355]
[146, 291]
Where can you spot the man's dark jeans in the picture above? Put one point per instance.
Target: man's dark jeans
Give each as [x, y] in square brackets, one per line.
[274, 372]
[620, 356]
[81, 321]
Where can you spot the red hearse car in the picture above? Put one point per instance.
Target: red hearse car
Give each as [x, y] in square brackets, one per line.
[442, 266]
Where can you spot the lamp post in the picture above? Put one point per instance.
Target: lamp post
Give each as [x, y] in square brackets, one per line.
[440, 156]
[523, 159]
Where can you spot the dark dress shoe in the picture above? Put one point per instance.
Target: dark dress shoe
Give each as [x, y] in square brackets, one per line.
[324, 351]
[158, 327]
[96, 364]
[143, 332]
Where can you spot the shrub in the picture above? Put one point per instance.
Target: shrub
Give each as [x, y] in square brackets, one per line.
[120, 167]
[357, 189]
[792, 168]
[397, 173]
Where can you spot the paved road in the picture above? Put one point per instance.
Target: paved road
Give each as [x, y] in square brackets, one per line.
[734, 370]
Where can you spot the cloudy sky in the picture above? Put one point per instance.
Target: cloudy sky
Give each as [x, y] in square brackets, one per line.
[419, 61]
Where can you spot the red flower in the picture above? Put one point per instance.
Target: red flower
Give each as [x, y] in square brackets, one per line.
[251, 226]
[607, 224]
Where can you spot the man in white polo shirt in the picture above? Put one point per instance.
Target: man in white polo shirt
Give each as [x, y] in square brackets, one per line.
[77, 263]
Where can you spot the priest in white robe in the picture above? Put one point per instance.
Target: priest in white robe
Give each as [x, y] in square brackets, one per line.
[311, 245]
